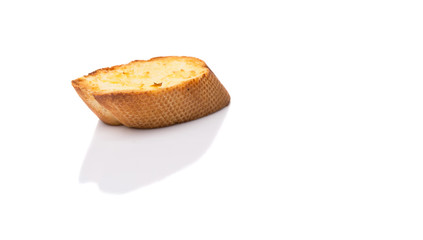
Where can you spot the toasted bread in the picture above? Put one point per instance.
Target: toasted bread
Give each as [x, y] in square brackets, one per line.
[154, 93]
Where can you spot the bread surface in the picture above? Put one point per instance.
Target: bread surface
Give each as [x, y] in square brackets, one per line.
[153, 93]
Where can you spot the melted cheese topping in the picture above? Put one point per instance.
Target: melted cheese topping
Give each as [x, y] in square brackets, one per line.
[146, 75]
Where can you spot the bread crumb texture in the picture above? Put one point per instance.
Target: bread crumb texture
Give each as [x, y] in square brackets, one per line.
[155, 93]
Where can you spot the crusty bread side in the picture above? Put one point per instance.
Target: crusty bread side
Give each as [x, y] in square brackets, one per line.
[87, 96]
[158, 107]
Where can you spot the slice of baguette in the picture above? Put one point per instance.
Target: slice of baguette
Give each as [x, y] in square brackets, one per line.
[155, 93]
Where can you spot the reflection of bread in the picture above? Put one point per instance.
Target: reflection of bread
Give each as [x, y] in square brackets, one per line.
[154, 93]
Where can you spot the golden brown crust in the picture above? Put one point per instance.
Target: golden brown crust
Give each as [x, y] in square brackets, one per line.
[87, 96]
[189, 100]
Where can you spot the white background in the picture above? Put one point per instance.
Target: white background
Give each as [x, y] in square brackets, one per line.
[322, 140]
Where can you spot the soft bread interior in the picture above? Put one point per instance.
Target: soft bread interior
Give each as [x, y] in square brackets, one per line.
[146, 75]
